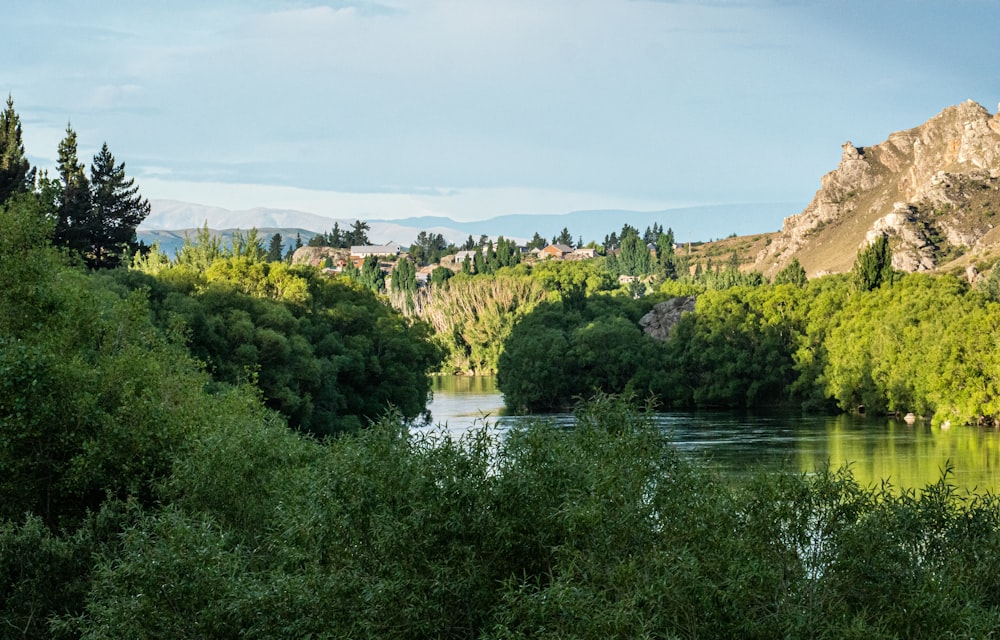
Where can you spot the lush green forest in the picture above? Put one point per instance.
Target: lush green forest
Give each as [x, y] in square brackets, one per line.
[218, 445]
[915, 343]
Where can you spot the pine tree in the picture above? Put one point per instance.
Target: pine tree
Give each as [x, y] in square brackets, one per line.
[274, 249]
[665, 259]
[564, 237]
[358, 235]
[117, 209]
[16, 173]
[74, 222]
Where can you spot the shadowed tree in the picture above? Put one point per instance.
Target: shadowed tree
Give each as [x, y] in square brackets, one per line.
[72, 190]
[873, 266]
[275, 248]
[117, 209]
[16, 173]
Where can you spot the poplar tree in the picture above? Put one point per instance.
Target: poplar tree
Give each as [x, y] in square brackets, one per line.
[873, 265]
[16, 173]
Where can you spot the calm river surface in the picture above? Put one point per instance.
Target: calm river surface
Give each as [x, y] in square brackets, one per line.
[909, 456]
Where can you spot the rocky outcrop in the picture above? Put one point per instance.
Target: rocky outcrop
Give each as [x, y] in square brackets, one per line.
[913, 249]
[659, 323]
[932, 189]
[317, 256]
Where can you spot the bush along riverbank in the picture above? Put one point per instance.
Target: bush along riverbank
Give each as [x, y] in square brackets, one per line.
[603, 530]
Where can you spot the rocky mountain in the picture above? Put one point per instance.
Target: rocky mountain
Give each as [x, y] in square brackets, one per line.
[934, 190]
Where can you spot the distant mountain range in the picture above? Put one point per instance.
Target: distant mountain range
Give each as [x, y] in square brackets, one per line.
[170, 220]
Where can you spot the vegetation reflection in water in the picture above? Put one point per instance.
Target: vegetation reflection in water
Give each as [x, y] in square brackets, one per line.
[877, 449]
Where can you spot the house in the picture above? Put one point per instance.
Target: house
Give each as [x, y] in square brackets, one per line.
[584, 253]
[377, 250]
[557, 251]
[359, 253]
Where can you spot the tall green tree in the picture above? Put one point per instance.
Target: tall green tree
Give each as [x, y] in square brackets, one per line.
[404, 276]
[428, 248]
[117, 209]
[371, 275]
[634, 258]
[666, 261]
[873, 266]
[275, 248]
[564, 237]
[358, 235]
[16, 173]
[73, 211]
[794, 274]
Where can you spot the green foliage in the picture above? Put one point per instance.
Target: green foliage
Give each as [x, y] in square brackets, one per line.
[324, 353]
[202, 251]
[472, 317]
[370, 275]
[16, 174]
[633, 258]
[95, 218]
[117, 210]
[873, 266]
[404, 276]
[440, 275]
[428, 248]
[564, 350]
[603, 530]
[793, 274]
[736, 350]
[275, 248]
[564, 237]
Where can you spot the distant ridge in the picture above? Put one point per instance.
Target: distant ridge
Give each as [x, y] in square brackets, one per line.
[700, 223]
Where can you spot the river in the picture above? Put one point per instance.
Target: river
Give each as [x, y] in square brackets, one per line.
[908, 456]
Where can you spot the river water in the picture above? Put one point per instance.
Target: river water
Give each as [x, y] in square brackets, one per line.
[908, 456]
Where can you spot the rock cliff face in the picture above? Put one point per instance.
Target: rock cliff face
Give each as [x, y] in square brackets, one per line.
[933, 190]
[659, 323]
[316, 256]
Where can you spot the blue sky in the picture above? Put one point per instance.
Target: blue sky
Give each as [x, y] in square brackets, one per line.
[474, 108]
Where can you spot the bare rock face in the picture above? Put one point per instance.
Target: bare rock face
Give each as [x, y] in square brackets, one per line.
[660, 322]
[929, 188]
[914, 250]
[316, 256]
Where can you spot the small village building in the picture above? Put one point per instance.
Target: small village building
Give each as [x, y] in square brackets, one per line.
[387, 251]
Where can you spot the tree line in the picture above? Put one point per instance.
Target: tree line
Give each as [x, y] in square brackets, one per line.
[95, 215]
[874, 341]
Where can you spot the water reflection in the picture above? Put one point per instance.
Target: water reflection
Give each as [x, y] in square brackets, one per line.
[908, 456]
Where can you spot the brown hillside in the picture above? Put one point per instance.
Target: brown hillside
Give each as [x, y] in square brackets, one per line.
[934, 190]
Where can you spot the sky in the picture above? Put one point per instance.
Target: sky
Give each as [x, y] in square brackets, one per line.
[477, 108]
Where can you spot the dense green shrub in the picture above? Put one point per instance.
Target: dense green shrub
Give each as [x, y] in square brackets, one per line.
[602, 530]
